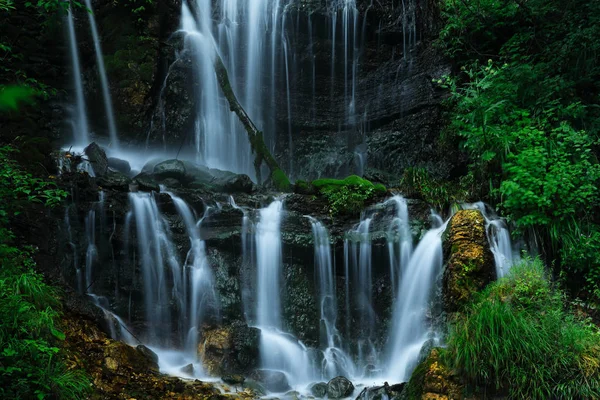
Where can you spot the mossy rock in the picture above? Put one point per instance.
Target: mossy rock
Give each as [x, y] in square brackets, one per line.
[469, 263]
[348, 196]
[433, 380]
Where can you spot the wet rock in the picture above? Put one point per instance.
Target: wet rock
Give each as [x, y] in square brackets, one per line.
[236, 184]
[171, 183]
[170, 169]
[119, 357]
[433, 380]
[149, 354]
[233, 379]
[97, 158]
[385, 392]
[119, 165]
[273, 381]
[188, 369]
[114, 180]
[339, 387]
[469, 263]
[319, 390]
[254, 386]
[230, 350]
[146, 183]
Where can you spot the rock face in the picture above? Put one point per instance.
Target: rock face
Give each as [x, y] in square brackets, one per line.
[432, 380]
[339, 387]
[469, 263]
[230, 350]
[97, 158]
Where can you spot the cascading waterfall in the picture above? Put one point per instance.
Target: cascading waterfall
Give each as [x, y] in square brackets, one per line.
[410, 328]
[79, 117]
[157, 255]
[400, 242]
[110, 115]
[335, 360]
[279, 351]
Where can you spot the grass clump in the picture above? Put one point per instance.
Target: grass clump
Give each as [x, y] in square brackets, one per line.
[517, 339]
[347, 196]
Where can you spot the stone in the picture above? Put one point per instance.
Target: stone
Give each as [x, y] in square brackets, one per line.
[188, 369]
[170, 169]
[119, 165]
[97, 158]
[120, 357]
[146, 183]
[319, 390]
[468, 260]
[114, 180]
[385, 392]
[273, 381]
[171, 183]
[431, 379]
[149, 354]
[233, 379]
[236, 184]
[339, 387]
[230, 350]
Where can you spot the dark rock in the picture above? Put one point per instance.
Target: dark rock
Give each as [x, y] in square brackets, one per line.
[171, 183]
[146, 183]
[188, 369]
[319, 390]
[469, 263]
[97, 158]
[339, 387]
[114, 180]
[255, 386]
[385, 392]
[236, 184]
[119, 165]
[233, 379]
[149, 354]
[273, 381]
[170, 169]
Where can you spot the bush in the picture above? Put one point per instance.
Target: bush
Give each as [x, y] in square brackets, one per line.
[517, 339]
[348, 196]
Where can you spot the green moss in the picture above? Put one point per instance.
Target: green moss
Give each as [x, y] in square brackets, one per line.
[303, 187]
[347, 196]
[280, 180]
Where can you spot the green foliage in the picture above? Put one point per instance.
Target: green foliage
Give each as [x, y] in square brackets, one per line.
[280, 180]
[418, 183]
[11, 96]
[518, 340]
[347, 196]
[524, 107]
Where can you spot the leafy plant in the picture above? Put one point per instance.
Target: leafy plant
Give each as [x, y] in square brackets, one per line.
[517, 339]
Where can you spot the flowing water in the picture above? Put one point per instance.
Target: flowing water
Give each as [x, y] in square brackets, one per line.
[79, 118]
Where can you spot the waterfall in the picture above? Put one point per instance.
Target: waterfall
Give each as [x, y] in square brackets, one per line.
[335, 360]
[279, 351]
[400, 243]
[80, 123]
[157, 254]
[110, 115]
[410, 328]
[499, 239]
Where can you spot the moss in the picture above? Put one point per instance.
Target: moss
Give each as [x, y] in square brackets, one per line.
[348, 196]
[432, 379]
[303, 187]
[280, 180]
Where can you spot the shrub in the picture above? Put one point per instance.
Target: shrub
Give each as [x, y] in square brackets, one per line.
[517, 339]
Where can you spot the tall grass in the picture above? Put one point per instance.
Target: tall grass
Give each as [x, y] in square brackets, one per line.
[517, 339]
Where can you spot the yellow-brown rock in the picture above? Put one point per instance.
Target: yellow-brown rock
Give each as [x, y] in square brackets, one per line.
[432, 380]
[469, 263]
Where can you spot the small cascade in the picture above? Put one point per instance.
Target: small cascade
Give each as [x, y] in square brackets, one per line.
[411, 330]
[157, 256]
[91, 254]
[499, 238]
[110, 115]
[336, 361]
[359, 282]
[400, 242]
[198, 277]
[279, 351]
[79, 117]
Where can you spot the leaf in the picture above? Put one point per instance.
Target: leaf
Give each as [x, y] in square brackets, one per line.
[11, 96]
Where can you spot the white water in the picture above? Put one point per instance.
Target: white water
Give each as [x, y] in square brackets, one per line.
[110, 115]
[79, 119]
[400, 242]
[410, 326]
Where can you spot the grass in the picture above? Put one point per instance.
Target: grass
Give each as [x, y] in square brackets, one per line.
[517, 339]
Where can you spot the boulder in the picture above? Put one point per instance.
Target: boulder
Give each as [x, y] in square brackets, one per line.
[188, 369]
[433, 380]
[469, 263]
[339, 387]
[236, 184]
[146, 183]
[149, 354]
[233, 379]
[119, 165]
[230, 350]
[119, 357]
[170, 169]
[97, 158]
[273, 381]
[385, 392]
[319, 390]
[114, 180]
